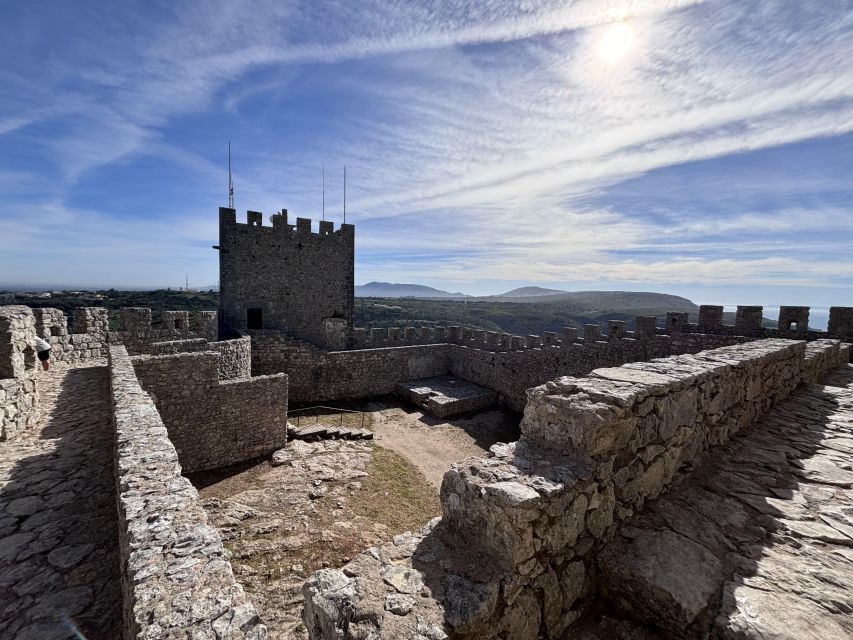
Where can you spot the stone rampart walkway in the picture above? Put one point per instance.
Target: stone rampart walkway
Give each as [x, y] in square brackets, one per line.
[758, 543]
[58, 559]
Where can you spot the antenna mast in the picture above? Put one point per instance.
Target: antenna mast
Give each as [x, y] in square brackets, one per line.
[230, 183]
[324, 192]
[345, 194]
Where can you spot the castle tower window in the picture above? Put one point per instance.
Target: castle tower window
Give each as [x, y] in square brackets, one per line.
[179, 323]
[254, 318]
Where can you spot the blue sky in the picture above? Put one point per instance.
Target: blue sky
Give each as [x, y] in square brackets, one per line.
[698, 148]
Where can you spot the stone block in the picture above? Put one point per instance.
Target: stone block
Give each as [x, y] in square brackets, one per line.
[840, 322]
[710, 316]
[645, 326]
[591, 332]
[676, 321]
[793, 319]
[617, 329]
[674, 579]
[749, 318]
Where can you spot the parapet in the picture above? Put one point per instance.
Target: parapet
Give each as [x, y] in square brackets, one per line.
[794, 319]
[206, 324]
[166, 547]
[175, 321]
[841, 322]
[17, 333]
[749, 318]
[710, 316]
[50, 322]
[135, 319]
[91, 320]
[676, 321]
[645, 326]
[617, 329]
[279, 222]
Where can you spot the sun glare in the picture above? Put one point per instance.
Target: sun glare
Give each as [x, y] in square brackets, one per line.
[616, 42]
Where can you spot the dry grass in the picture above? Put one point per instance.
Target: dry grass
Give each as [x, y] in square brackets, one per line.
[277, 549]
[395, 493]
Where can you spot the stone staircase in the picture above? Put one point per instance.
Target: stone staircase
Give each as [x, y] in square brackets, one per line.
[315, 432]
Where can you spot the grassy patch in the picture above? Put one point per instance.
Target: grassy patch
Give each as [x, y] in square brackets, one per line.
[395, 493]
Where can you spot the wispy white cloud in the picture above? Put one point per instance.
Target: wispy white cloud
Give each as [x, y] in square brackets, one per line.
[489, 134]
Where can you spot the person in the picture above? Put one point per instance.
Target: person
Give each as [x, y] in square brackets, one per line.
[43, 352]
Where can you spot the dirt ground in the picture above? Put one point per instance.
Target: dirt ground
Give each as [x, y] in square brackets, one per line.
[318, 504]
[432, 444]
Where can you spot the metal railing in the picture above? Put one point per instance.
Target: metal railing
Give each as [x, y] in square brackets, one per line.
[340, 412]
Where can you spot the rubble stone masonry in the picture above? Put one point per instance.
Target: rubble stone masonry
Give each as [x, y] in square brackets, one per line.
[213, 422]
[176, 579]
[287, 277]
[334, 375]
[527, 521]
[19, 397]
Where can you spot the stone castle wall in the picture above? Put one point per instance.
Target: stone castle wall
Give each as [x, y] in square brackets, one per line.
[822, 356]
[89, 334]
[507, 364]
[511, 364]
[511, 373]
[317, 375]
[175, 574]
[235, 356]
[19, 398]
[792, 323]
[214, 422]
[298, 281]
[521, 527]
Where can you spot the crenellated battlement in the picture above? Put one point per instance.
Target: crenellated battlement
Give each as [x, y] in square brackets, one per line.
[792, 322]
[287, 276]
[595, 450]
[279, 224]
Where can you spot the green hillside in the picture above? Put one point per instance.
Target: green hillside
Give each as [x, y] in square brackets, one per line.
[530, 315]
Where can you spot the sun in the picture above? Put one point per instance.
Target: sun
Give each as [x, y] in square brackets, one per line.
[616, 42]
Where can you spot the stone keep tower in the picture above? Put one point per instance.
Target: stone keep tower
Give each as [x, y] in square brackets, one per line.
[287, 278]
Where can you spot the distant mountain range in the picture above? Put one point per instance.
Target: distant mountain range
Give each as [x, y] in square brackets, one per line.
[403, 290]
[529, 292]
[587, 300]
[399, 290]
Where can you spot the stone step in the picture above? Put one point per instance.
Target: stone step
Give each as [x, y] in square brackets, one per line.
[313, 431]
[318, 431]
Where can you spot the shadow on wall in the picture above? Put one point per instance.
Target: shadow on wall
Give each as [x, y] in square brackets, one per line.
[58, 559]
[733, 550]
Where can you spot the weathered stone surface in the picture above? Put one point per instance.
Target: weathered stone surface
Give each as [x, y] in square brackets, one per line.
[384, 596]
[445, 396]
[747, 547]
[665, 574]
[58, 556]
[399, 604]
[176, 578]
[593, 453]
[213, 422]
[747, 612]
